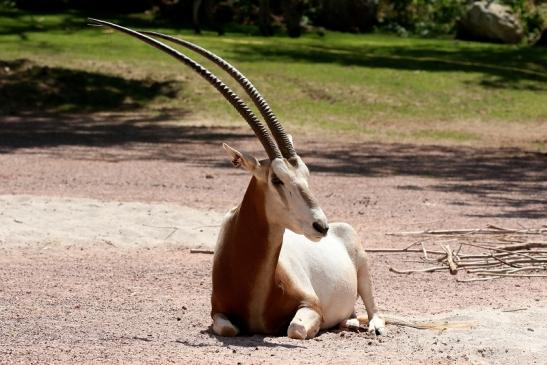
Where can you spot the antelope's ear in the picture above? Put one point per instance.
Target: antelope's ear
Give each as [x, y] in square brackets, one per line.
[241, 159]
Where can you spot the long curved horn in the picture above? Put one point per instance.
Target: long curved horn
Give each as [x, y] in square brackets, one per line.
[277, 129]
[260, 130]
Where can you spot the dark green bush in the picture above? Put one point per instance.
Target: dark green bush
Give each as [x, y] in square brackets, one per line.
[531, 14]
[420, 17]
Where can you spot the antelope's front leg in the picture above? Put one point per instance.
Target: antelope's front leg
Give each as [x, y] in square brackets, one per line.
[305, 324]
[223, 327]
[376, 323]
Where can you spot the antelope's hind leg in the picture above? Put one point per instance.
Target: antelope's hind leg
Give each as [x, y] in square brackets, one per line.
[305, 324]
[223, 327]
[350, 324]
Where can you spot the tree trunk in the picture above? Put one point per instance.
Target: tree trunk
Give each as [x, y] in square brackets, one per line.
[292, 14]
[195, 16]
[265, 18]
[348, 15]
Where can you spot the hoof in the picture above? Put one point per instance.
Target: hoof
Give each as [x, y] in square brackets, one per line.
[227, 331]
[377, 326]
[223, 327]
[351, 324]
[297, 331]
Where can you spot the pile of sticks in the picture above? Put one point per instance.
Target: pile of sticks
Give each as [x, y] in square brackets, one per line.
[485, 254]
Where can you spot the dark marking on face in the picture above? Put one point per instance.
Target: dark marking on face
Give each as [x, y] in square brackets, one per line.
[282, 195]
[275, 180]
[236, 161]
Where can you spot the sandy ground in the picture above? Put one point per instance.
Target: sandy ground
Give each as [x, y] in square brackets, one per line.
[94, 237]
[54, 221]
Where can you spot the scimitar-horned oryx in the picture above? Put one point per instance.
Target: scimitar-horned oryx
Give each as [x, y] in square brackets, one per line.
[278, 265]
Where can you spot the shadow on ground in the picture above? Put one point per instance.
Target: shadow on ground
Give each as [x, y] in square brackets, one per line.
[512, 180]
[500, 68]
[114, 136]
[26, 86]
[252, 341]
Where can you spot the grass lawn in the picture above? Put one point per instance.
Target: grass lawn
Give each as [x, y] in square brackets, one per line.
[380, 87]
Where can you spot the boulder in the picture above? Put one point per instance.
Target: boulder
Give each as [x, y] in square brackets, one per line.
[489, 21]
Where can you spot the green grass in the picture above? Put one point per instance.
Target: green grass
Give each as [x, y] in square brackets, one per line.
[379, 86]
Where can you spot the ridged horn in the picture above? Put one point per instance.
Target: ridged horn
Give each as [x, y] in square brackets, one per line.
[277, 129]
[259, 129]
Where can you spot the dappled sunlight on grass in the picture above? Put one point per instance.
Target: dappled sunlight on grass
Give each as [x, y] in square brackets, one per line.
[427, 89]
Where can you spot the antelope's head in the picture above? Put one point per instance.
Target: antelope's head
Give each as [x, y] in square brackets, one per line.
[283, 177]
[288, 199]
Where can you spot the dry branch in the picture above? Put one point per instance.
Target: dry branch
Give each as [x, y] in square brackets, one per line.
[401, 250]
[524, 246]
[450, 260]
[498, 258]
[476, 279]
[490, 230]
[515, 275]
[427, 269]
[199, 250]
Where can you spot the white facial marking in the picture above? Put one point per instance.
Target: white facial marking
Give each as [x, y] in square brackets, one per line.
[295, 206]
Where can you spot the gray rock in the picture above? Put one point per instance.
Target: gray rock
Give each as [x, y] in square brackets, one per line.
[489, 21]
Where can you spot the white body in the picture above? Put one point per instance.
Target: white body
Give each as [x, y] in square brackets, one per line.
[324, 269]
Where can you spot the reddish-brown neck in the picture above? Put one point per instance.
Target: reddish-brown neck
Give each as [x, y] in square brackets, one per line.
[256, 240]
[246, 259]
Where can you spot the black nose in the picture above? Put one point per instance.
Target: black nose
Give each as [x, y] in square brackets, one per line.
[322, 228]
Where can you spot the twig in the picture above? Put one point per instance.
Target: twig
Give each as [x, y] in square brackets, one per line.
[516, 275]
[450, 259]
[476, 279]
[171, 233]
[201, 250]
[490, 230]
[496, 249]
[427, 269]
[514, 310]
[400, 250]
[502, 271]
[409, 246]
[503, 261]
[525, 246]
[458, 252]
[425, 252]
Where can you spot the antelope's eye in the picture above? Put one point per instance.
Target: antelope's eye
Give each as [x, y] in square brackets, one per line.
[276, 180]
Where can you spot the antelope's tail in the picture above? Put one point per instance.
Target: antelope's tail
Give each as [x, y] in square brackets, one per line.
[423, 325]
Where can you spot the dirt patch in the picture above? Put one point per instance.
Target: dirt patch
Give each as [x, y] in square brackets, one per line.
[44, 221]
[118, 305]
[68, 296]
